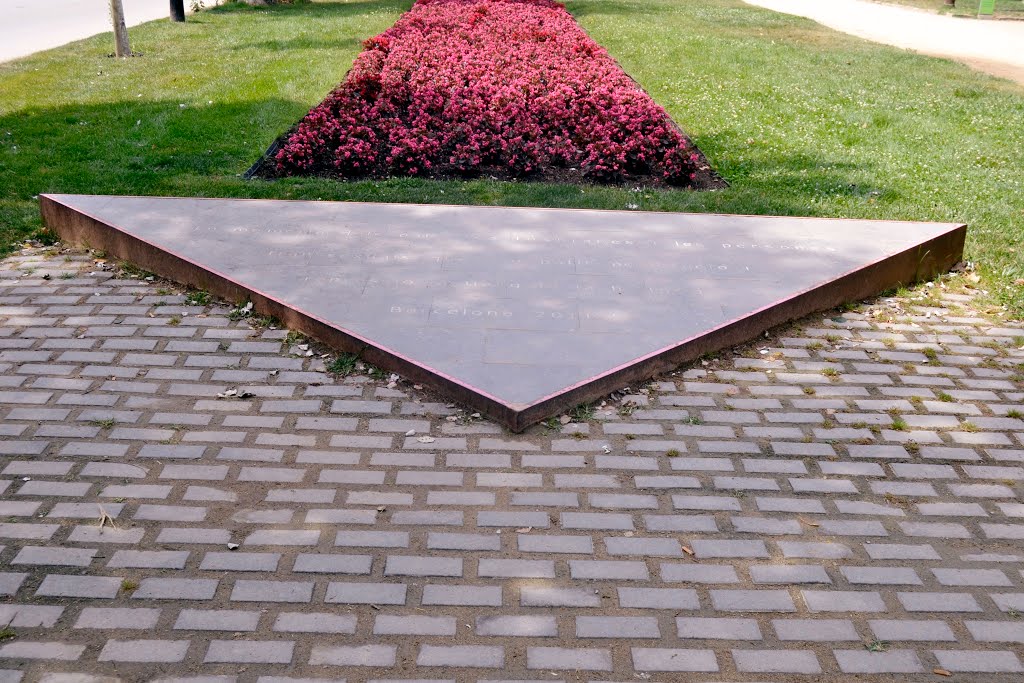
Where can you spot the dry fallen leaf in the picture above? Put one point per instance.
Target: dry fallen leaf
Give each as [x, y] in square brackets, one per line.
[941, 672]
[808, 522]
[688, 550]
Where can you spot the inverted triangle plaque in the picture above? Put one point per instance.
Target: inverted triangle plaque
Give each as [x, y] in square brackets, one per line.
[520, 313]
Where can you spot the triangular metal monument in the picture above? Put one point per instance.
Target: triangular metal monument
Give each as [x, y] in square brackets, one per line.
[520, 313]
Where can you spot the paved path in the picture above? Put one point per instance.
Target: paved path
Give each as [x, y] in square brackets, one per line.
[856, 482]
[991, 46]
[28, 26]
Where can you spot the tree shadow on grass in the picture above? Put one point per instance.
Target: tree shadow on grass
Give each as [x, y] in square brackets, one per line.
[332, 10]
[608, 7]
[158, 148]
[301, 43]
[793, 184]
[132, 147]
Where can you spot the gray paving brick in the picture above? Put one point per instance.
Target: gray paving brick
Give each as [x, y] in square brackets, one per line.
[651, 598]
[500, 568]
[552, 596]
[766, 527]
[617, 627]
[994, 631]
[583, 481]
[353, 655]
[286, 537]
[913, 630]
[896, 551]
[175, 589]
[646, 547]
[154, 651]
[608, 569]
[256, 590]
[881, 575]
[41, 650]
[456, 541]
[372, 539]
[609, 521]
[925, 601]
[61, 586]
[250, 652]
[668, 659]
[815, 630]
[935, 529]
[971, 577]
[973, 661]
[840, 527]
[110, 618]
[752, 601]
[93, 534]
[149, 559]
[843, 601]
[497, 518]
[776, 661]
[414, 624]
[729, 549]
[1005, 531]
[315, 622]
[572, 659]
[404, 565]
[366, 593]
[582, 545]
[338, 516]
[463, 498]
[790, 574]
[698, 573]
[217, 620]
[333, 564]
[193, 535]
[476, 656]
[702, 464]
[681, 523]
[427, 518]
[706, 503]
[487, 596]
[516, 626]
[718, 628]
[864, 662]
[66, 557]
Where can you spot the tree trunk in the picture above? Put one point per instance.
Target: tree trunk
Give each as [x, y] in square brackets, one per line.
[121, 46]
[177, 10]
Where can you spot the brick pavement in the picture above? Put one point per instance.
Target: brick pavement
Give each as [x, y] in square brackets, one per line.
[841, 503]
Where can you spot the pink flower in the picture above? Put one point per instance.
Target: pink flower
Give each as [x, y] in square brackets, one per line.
[473, 86]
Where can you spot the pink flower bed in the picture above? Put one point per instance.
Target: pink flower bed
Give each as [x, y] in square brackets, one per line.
[512, 88]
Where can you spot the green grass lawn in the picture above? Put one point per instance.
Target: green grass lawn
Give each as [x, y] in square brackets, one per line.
[801, 120]
[1007, 9]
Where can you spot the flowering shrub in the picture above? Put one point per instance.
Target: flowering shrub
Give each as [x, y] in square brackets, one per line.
[512, 88]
